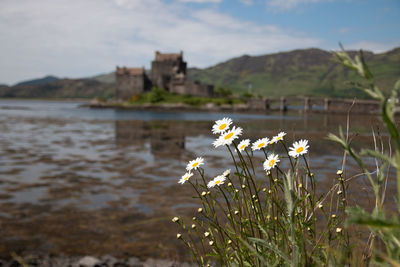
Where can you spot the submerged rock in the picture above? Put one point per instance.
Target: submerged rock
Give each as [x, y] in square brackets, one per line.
[88, 261]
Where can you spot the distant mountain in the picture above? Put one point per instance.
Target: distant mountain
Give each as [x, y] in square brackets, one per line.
[311, 72]
[60, 88]
[307, 72]
[43, 80]
[104, 78]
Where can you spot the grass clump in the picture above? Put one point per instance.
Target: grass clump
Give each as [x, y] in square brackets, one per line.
[265, 214]
[161, 96]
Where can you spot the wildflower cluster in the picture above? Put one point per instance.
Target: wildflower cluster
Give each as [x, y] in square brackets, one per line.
[245, 218]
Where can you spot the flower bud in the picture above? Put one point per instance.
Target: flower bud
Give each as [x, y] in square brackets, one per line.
[175, 219]
[193, 226]
[339, 172]
[206, 234]
[338, 230]
[203, 193]
[178, 236]
[199, 210]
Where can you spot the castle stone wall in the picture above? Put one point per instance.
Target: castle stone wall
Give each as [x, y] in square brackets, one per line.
[131, 82]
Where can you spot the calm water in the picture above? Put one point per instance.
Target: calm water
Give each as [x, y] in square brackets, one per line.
[80, 181]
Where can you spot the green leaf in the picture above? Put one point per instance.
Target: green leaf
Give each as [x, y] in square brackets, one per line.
[378, 155]
[361, 217]
[365, 70]
[337, 139]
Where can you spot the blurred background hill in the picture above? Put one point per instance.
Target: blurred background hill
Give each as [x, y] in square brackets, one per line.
[306, 72]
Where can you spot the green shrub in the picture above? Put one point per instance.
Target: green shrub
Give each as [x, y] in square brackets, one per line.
[157, 95]
[223, 92]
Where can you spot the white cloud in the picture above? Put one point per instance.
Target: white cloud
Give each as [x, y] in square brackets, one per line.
[82, 38]
[344, 30]
[376, 47]
[201, 1]
[246, 2]
[281, 5]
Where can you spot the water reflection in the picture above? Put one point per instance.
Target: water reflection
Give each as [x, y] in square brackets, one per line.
[166, 139]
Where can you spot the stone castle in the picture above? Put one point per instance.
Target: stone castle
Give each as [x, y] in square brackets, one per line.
[168, 71]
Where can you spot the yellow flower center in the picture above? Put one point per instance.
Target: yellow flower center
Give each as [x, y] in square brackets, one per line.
[300, 149]
[278, 138]
[222, 126]
[261, 145]
[243, 146]
[186, 178]
[217, 182]
[271, 162]
[228, 136]
[195, 164]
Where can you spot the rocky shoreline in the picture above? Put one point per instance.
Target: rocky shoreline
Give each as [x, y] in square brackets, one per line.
[88, 261]
[210, 107]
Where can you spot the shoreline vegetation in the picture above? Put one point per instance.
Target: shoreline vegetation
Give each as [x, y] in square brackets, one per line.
[263, 214]
[245, 105]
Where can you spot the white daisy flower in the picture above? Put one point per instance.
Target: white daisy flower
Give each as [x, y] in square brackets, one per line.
[277, 138]
[227, 137]
[220, 179]
[299, 148]
[260, 143]
[221, 126]
[194, 164]
[185, 177]
[227, 172]
[271, 161]
[243, 144]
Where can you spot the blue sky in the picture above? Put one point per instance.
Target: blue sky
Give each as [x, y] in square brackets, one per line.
[80, 38]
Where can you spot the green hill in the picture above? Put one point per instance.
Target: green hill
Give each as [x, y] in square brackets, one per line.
[61, 88]
[309, 72]
[43, 80]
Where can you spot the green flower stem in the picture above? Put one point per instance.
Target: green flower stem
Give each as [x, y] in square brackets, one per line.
[287, 152]
[250, 160]
[244, 196]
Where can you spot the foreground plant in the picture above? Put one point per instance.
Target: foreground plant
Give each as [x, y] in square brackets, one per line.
[264, 215]
[383, 246]
[260, 214]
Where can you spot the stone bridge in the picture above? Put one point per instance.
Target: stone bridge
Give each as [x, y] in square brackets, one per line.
[313, 104]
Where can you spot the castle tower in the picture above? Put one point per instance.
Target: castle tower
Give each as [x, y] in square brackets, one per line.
[166, 68]
[131, 82]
